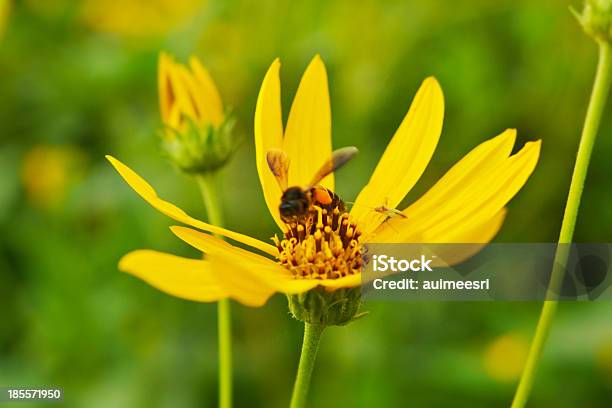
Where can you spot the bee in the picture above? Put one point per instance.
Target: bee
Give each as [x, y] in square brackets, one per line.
[297, 202]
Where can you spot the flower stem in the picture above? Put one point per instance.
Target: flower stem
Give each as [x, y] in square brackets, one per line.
[597, 103]
[224, 325]
[310, 346]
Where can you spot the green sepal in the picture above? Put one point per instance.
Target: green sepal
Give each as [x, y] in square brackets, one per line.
[596, 19]
[201, 148]
[319, 306]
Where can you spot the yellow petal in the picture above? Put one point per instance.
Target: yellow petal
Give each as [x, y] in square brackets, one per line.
[256, 268]
[477, 236]
[210, 244]
[197, 109]
[470, 194]
[174, 120]
[166, 96]
[308, 134]
[468, 171]
[349, 281]
[269, 135]
[179, 77]
[190, 279]
[195, 279]
[471, 233]
[240, 281]
[263, 279]
[478, 162]
[175, 99]
[473, 238]
[483, 201]
[144, 189]
[277, 279]
[210, 97]
[405, 158]
[290, 286]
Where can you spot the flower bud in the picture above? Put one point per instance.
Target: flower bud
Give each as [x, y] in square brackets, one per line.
[596, 19]
[319, 306]
[198, 136]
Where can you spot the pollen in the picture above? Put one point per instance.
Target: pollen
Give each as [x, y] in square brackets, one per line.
[326, 246]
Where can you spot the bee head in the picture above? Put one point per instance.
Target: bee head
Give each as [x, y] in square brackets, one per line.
[294, 203]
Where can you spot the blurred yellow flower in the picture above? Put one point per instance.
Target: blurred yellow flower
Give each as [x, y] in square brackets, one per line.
[198, 136]
[5, 8]
[505, 357]
[604, 358]
[138, 17]
[465, 205]
[187, 94]
[46, 173]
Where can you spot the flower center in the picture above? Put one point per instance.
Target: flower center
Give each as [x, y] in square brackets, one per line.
[325, 246]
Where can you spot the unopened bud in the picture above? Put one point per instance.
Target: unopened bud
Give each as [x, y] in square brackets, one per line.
[198, 135]
[596, 19]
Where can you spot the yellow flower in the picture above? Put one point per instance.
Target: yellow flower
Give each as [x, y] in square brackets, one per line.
[198, 136]
[603, 356]
[46, 174]
[505, 357]
[137, 18]
[466, 205]
[187, 94]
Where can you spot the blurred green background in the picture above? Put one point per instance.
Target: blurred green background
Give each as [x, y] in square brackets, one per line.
[78, 80]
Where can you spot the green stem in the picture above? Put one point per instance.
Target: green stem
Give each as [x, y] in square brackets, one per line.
[597, 103]
[224, 323]
[310, 346]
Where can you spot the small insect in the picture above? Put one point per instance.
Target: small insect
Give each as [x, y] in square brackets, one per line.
[388, 212]
[297, 202]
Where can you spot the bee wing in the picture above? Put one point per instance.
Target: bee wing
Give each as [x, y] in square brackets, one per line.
[278, 162]
[338, 159]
